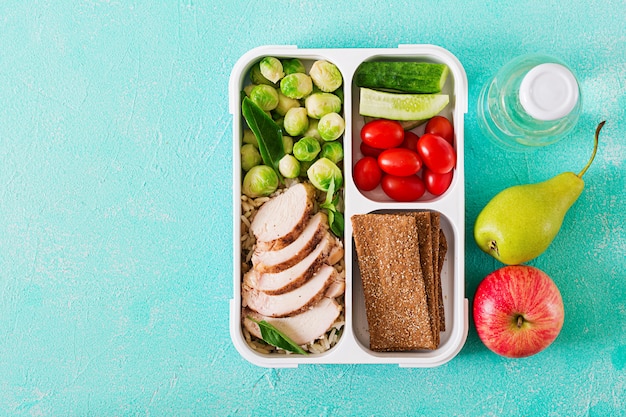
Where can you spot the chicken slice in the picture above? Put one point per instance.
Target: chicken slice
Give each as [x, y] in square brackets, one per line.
[292, 302]
[291, 278]
[302, 328]
[279, 221]
[277, 260]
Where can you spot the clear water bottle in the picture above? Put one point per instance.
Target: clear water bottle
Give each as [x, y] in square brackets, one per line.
[534, 100]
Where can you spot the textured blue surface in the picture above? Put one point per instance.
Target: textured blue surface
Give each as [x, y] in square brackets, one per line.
[115, 213]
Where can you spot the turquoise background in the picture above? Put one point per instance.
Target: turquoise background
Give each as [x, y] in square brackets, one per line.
[116, 215]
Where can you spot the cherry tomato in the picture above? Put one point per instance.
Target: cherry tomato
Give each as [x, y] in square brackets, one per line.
[382, 133]
[367, 150]
[410, 141]
[436, 153]
[436, 184]
[403, 189]
[367, 173]
[399, 161]
[441, 126]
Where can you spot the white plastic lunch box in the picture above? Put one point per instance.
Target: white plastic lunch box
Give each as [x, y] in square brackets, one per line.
[353, 346]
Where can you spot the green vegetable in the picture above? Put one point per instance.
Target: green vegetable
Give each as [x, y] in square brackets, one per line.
[285, 103]
[248, 137]
[265, 96]
[410, 77]
[401, 106]
[306, 149]
[257, 77]
[323, 172]
[326, 76]
[271, 68]
[275, 337]
[333, 151]
[336, 220]
[312, 129]
[267, 132]
[296, 121]
[289, 166]
[320, 104]
[288, 144]
[293, 65]
[406, 124]
[250, 157]
[331, 126]
[296, 85]
[260, 181]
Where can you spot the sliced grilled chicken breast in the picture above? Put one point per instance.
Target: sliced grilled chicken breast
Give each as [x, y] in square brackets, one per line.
[292, 302]
[277, 260]
[279, 221]
[302, 328]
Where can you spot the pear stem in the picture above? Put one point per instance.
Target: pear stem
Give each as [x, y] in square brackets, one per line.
[595, 149]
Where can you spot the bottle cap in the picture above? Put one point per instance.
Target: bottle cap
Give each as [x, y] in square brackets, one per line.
[549, 92]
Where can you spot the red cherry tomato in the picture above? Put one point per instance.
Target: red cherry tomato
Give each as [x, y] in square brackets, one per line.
[403, 189]
[441, 126]
[367, 173]
[436, 153]
[368, 150]
[410, 141]
[399, 161]
[382, 133]
[436, 184]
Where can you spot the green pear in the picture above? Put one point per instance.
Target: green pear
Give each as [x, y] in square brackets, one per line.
[520, 222]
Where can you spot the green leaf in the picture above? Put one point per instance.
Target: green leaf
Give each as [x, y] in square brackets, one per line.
[335, 218]
[337, 225]
[268, 134]
[275, 337]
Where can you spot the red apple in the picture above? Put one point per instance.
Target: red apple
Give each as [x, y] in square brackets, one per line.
[518, 311]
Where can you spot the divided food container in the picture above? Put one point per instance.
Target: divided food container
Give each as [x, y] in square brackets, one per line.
[353, 345]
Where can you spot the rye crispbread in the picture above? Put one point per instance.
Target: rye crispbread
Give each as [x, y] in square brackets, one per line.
[400, 258]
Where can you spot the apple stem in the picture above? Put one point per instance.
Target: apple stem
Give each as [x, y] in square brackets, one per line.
[520, 321]
[595, 149]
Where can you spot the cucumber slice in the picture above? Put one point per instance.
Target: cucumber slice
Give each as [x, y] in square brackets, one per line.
[394, 106]
[408, 77]
[406, 124]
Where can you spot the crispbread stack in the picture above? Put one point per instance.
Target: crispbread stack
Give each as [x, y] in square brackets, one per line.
[400, 259]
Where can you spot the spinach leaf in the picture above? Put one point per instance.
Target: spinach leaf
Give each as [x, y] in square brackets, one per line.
[335, 217]
[275, 337]
[268, 134]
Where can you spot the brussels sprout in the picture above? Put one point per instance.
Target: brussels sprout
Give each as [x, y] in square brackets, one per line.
[291, 66]
[288, 144]
[296, 85]
[312, 130]
[289, 166]
[271, 68]
[296, 121]
[339, 93]
[248, 89]
[319, 104]
[285, 103]
[306, 149]
[322, 172]
[260, 181]
[250, 157]
[257, 77]
[304, 166]
[326, 76]
[264, 96]
[333, 151]
[331, 126]
[248, 137]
